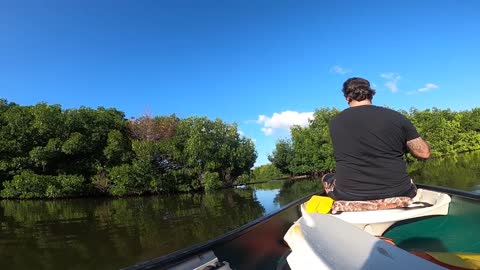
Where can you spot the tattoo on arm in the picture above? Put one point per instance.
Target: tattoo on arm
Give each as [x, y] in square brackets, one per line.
[419, 148]
[415, 146]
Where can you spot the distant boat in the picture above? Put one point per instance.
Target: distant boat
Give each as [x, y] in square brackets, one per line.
[333, 243]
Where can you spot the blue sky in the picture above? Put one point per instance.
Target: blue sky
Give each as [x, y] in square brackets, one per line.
[264, 65]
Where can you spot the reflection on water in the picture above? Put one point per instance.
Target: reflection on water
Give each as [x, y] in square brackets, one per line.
[267, 199]
[267, 192]
[113, 233]
[455, 171]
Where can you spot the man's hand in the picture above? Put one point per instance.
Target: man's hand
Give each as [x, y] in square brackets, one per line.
[419, 148]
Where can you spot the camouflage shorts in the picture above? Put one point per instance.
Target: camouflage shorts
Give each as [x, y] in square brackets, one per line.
[328, 181]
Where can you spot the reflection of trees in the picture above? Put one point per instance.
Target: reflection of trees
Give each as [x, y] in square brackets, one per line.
[112, 233]
[108, 234]
[29, 238]
[270, 185]
[295, 189]
[455, 171]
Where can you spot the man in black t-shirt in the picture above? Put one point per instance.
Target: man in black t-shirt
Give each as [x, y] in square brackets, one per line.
[369, 144]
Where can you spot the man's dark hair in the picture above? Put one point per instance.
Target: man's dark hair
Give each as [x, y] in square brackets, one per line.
[357, 89]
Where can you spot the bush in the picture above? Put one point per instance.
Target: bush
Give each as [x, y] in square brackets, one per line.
[70, 185]
[168, 182]
[121, 178]
[211, 181]
[28, 185]
[100, 181]
[145, 176]
[136, 178]
[244, 179]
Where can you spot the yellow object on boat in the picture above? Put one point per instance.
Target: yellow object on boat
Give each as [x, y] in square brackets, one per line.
[471, 258]
[319, 204]
[464, 260]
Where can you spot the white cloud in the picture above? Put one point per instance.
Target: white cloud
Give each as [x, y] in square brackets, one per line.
[283, 121]
[389, 76]
[428, 87]
[241, 133]
[267, 131]
[393, 79]
[339, 70]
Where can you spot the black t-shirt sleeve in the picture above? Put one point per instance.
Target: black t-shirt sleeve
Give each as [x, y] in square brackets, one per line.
[410, 130]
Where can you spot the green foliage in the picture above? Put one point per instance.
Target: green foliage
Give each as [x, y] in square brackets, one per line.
[132, 179]
[42, 156]
[70, 184]
[28, 185]
[282, 156]
[61, 150]
[118, 148]
[75, 144]
[65, 186]
[202, 154]
[101, 182]
[211, 181]
[470, 120]
[266, 172]
[122, 178]
[446, 131]
[215, 147]
[244, 179]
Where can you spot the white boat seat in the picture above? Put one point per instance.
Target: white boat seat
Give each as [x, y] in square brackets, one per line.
[378, 221]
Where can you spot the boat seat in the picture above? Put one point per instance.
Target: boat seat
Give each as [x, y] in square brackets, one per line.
[371, 205]
[376, 222]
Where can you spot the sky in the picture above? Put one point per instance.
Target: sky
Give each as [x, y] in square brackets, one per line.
[264, 65]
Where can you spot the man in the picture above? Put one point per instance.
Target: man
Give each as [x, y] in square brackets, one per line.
[369, 144]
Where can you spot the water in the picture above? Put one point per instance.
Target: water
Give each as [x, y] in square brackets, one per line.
[114, 233]
[458, 172]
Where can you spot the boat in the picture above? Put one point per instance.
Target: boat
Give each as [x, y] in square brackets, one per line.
[260, 244]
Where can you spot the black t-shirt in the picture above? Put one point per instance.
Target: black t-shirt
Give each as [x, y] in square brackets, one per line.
[369, 144]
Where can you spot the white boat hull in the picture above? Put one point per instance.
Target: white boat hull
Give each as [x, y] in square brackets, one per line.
[321, 241]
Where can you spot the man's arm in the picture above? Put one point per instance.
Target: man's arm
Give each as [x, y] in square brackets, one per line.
[418, 148]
